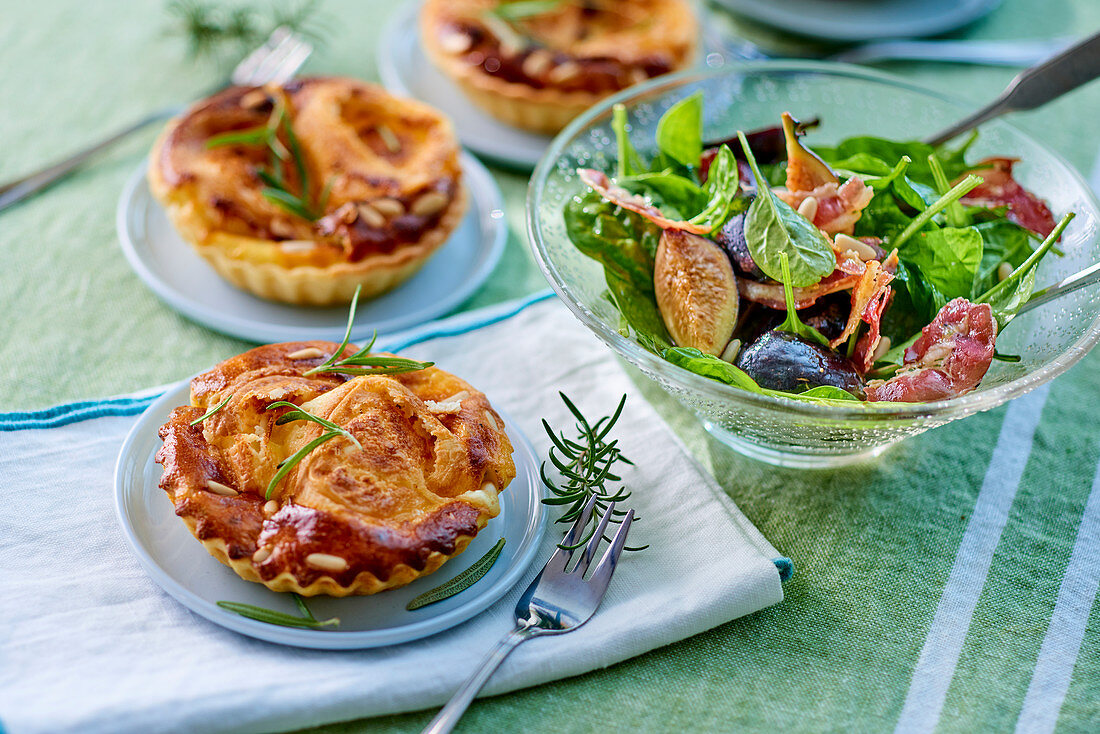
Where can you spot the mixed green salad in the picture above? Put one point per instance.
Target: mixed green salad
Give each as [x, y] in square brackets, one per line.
[875, 269]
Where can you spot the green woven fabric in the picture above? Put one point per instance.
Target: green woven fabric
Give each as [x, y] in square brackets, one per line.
[935, 547]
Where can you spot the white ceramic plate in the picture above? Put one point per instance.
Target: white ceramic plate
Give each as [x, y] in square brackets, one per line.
[183, 568]
[406, 70]
[863, 20]
[183, 280]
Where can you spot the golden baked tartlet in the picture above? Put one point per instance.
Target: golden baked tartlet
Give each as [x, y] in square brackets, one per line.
[304, 192]
[344, 520]
[538, 67]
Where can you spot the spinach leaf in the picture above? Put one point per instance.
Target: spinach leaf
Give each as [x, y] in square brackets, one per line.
[674, 195]
[623, 242]
[792, 324]
[953, 212]
[710, 366]
[863, 148]
[722, 188]
[639, 311]
[827, 392]
[773, 228]
[959, 190]
[628, 163]
[1004, 242]
[948, 258]
[680, 131]
[1010, 294]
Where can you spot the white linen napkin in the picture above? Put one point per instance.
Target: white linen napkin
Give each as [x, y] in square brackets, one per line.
[89, 643]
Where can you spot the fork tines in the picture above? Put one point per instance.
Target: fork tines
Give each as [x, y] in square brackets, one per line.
[275, 61]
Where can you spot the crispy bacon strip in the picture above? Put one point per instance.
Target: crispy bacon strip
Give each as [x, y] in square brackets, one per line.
[950, 358]
[771, 294]
[869, 298]
[1001, 189]
[603, 186]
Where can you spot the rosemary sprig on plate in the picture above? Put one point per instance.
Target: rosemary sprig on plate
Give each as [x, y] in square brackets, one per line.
[227, 34]
[270, 616]
[586, 464]
[297, 413]
[276, 187]
[363, 362]
[461, 582]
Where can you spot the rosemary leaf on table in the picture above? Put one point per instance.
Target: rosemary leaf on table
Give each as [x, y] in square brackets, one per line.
[461, 582]
[585, 464]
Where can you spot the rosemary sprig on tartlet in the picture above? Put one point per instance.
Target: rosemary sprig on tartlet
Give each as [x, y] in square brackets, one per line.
[276, 187]
[297, 413]
[586, 464]
[461, 582]
[363, 362]
[270, 616]
[212, 411]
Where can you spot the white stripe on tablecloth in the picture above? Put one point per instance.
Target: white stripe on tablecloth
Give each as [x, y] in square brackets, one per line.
[942, 647]
[1057, 656]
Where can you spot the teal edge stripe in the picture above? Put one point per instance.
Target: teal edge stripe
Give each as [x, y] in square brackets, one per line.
[61, 415]
[785, 566]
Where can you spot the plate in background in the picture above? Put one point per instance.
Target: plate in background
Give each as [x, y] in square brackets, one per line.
[182, 567]
[863, 20]
[183, 280]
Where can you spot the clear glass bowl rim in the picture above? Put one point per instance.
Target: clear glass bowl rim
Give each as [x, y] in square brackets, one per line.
[718, 391]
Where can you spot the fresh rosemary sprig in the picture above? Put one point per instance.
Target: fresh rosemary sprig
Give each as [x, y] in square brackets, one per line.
[363, 362]
[276, 189]
[297, 414]
[307, 620]
[212, 411]
[586, 465]
[227, 34]
[461, 582]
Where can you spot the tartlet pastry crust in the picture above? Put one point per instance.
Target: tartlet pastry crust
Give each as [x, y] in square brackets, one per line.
[563, 61]
[390, 166]
[344, 521]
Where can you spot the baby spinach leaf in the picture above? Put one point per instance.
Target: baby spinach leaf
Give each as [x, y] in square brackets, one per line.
[1007, 297]
[722, 189]
[674, 195]
[1004, 242]
[773, 228]
[680, 131]
[639, 311]
[954, 212]
[792, 324]
[948, 258]
[710, 366]
[828, 392]
[959, 190]
[865, 147]
[623, 242]
[628, 162]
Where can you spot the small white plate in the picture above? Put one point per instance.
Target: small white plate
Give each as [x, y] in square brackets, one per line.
[406, 70]
[183, 280]
[863, 20]
[183, 568]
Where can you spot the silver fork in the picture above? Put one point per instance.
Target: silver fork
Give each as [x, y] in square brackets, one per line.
[556, 602]
[276, 61]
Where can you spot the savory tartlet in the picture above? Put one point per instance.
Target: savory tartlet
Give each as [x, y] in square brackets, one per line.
[304, 192]
[537, 66]
[431, 459]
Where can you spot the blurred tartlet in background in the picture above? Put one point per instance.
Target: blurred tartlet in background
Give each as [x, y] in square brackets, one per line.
[537, 65]
[305, 192]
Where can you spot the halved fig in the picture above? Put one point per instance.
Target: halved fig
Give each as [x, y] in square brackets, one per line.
[805, 171]
[696, 291]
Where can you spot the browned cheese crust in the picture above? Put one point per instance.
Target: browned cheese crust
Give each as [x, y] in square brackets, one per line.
[389, 166]
[540, 71]
[344, 521]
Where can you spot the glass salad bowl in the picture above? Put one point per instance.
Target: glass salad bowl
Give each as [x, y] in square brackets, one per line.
[850, 101]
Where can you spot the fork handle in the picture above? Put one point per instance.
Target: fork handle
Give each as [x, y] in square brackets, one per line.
[1036, 86]
[13, 192]
[449, 715]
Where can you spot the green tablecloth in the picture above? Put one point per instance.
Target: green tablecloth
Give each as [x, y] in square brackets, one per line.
[951, 583]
